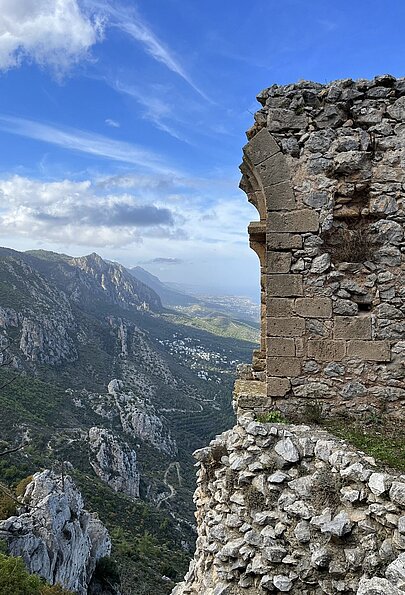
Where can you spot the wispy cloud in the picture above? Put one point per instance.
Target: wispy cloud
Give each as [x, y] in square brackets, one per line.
[164, 260]
[130, 22]
[85, 142]
[155, 110]
[112, 123]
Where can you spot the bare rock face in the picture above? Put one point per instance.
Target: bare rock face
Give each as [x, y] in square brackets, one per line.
[57, 538]
[137, 416]
[114, 462]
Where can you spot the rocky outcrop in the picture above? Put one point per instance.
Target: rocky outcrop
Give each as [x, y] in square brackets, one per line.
[137, 417]
[46, 340]
[41, 314]
[284, 508]
[115, 282]
[114, 462]
[57, 538]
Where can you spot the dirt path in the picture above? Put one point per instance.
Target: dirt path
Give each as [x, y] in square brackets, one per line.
[172, 489]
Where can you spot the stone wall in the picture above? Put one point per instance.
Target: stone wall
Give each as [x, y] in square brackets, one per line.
[325, 168]
[292, 509]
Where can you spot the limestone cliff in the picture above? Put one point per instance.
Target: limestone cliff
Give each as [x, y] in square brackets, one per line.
[56, 537]
[114, 462]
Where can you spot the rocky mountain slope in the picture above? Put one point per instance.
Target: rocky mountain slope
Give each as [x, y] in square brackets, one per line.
[56, 537]
[110, 381]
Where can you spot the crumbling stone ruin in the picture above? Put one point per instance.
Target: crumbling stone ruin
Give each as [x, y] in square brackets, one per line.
[325, 168]
[285, 508]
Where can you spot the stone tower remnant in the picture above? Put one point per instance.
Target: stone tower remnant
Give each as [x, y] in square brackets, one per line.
[285, 508]
[325, 167]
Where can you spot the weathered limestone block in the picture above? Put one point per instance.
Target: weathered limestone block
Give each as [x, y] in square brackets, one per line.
[378, 351]
[280, 307]
[284, 366]
[326, 350]
[285, 327]
[278, 262]
[283, 241]
[249, 387]
[281, 346]
[300, 221]
[273, 170]
[313, 307]
[261, 147]
[284, 285]
[277, 387]
[352, 327]
[280, 197]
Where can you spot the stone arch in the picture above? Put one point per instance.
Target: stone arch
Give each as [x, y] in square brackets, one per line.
[266, 182]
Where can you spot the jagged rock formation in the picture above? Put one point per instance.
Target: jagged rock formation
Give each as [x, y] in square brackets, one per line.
[137, 416]
[324, 166]
[292, 509]
[57, 538]
[112, 279]
[114, 462]
[45, 337]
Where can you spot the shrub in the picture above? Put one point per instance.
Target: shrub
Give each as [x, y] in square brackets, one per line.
[22, 485]
[275, 416]
[15, 580]
[254, 499]
[107, 571]
[7, 506]
[354, 244]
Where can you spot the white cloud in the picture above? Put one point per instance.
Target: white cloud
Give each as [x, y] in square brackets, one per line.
[76, 212]
[86, 142]
[112, 123]
[55, 33]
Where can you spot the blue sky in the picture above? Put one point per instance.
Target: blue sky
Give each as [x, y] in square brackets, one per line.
[121, 123]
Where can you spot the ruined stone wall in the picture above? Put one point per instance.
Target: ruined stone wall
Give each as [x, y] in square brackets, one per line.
[291, 509]
[325, 168]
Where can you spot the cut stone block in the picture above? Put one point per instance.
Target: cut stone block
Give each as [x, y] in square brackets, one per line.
[259, 360]
[283, 241]
[284, 285]
[280, 197]
[378, 351]
[285, 327]
[279, 307]
[277, 387]
[273, 170]
[281, 346]
[352, 327]
[314, 307]
[301, 221]
[261, 147]
[284, 366]
[254, 403]
[278, 262]
[249, 387]
[326, 350]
